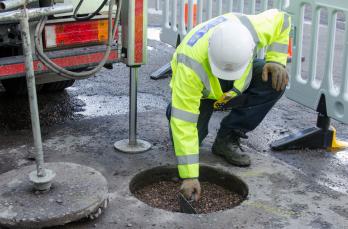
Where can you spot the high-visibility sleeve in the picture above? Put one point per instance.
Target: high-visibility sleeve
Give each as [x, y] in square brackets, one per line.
[186, 96]
[273, 29]
[278, 50]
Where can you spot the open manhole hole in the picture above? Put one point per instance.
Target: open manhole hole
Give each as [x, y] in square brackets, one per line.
[159, 187]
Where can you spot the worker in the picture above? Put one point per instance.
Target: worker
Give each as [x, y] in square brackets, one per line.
[215, 65]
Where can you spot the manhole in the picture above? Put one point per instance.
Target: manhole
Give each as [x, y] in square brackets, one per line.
[159, 187]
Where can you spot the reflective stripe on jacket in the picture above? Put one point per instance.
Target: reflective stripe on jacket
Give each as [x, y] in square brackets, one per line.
[193, 80]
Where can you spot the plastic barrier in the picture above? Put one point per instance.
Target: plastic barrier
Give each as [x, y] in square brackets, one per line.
[157, 6]
[308, 92]
[192, 11]
[174, 27]
[329, 95]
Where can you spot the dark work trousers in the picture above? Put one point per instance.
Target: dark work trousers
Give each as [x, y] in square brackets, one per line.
[258, 100]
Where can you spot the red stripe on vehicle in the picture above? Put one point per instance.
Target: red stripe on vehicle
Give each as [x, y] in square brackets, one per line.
[139, 31]
[70, 61]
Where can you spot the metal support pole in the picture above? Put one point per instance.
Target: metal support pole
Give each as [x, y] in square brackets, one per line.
[74, 203]
[41, 177]
[133, 145]
[35, 122]
[133, 106]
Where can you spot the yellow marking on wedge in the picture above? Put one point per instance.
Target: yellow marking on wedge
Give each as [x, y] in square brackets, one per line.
[337, 144]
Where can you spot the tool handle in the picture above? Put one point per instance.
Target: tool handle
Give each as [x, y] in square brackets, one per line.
[193, 198]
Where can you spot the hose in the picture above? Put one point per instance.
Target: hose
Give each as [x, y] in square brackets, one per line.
[78, 75]
[90, 16]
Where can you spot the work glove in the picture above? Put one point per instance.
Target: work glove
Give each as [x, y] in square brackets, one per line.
[191, 189]
[220, 104]
[279, 75]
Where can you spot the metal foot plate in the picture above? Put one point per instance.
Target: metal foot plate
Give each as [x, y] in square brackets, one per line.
[76, 192]
[140, 147]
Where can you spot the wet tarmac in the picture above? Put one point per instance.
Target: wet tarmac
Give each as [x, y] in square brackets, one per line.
[289, 189]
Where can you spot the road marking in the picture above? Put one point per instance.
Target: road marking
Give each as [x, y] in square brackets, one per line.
[272, 209]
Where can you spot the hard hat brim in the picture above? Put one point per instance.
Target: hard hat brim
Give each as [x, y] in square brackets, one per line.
[228, 74]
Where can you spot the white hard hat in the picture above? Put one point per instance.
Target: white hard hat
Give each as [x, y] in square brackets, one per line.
[231, 48]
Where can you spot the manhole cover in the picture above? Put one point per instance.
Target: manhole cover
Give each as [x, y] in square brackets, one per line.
[159, 187]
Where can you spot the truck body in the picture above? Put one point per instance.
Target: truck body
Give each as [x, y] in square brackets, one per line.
[74, 45]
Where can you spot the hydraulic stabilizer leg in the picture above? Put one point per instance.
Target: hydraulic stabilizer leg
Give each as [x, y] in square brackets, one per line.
[132, 144]
[41, 177]
[77, 191]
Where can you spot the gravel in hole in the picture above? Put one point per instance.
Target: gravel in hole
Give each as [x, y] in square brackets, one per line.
[164, 195]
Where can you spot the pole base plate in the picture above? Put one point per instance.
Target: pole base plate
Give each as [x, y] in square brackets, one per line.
[124, 146]
[42, 183]
[76, 192]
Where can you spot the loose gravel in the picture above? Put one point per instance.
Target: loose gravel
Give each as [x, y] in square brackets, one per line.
[164, 195]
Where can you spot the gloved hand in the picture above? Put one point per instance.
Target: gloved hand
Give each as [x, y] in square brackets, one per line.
[220, 104]
[279, 74]
[190, 188]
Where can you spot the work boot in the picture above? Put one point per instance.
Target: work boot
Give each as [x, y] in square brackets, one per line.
[229, 148]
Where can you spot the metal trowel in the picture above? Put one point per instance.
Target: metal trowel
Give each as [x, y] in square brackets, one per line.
[186, 205]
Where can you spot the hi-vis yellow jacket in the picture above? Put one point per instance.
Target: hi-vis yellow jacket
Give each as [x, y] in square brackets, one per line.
[193, 80]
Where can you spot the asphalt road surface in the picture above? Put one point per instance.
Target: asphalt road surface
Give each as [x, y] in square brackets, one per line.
[81, 124]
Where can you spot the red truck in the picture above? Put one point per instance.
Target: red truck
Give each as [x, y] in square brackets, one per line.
[76, 45]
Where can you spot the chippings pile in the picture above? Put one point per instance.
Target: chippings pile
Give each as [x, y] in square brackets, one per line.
[164, 195]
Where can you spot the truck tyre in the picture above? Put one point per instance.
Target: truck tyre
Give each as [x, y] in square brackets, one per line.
[57, 86]
[17, 86]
